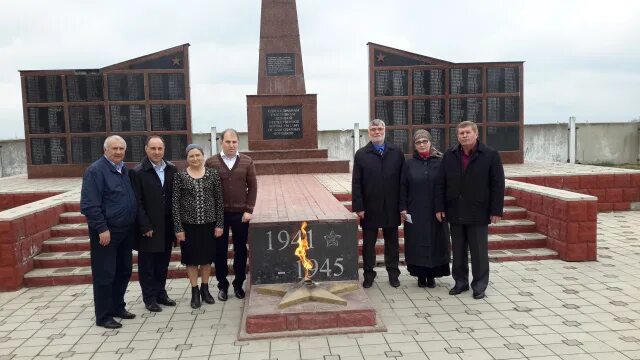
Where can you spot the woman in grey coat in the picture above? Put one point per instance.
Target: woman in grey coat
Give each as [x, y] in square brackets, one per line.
[426, 241]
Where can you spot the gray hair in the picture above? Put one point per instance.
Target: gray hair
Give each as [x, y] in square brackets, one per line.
[105, 146]
[376, 122]
[229, 130]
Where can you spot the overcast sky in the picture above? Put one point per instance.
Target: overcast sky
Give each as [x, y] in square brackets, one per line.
[582, 58]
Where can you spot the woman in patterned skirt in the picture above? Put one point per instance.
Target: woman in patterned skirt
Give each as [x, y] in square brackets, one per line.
[198, 218]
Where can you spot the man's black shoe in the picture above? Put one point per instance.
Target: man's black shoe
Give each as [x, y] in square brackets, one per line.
[394, 282]
[166, 301]
[422, 282]
[124, 314]
[153, 307]
[367, 283]
[239, 293]
[431, 282]
[222, 295]
[479, 295]
[110, 324]
[456, 290]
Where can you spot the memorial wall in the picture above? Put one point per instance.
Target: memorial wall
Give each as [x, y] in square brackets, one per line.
[69, 113]
[411, 91]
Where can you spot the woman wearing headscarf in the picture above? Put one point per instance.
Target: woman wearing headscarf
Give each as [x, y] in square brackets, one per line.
[426, 240]
[198, 218]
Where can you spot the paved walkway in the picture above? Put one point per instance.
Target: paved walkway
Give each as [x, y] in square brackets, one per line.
[534, 310]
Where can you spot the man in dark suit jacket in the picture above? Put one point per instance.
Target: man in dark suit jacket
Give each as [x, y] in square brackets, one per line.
[470, 195]
[152, 181]
[375, 192]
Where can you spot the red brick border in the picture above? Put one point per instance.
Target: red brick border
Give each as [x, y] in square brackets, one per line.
[615, 192]
[570, 225]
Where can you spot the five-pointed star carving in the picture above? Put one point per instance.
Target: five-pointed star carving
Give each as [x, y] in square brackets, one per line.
[301, 293]
[176, 60]
[332, 238]
[380, 57]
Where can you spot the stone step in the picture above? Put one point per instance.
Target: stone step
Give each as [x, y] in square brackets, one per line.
[74, 243]
[82, 275]
[496, 242]
[515, 226]
[514, 212]
[72, 217]
[58, 251]
[494, 256]
[67, 230]
[509, 200]
[287, 154]
[510, 212]
[300, 166]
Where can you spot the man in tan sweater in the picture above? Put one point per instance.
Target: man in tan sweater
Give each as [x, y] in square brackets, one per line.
[239, 190]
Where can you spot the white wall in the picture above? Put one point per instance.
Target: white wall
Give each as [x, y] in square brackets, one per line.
[600, 143]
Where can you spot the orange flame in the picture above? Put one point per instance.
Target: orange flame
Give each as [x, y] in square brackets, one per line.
[301, 251]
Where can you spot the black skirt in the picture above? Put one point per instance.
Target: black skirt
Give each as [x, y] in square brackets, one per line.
[199, 247]
[434, 272]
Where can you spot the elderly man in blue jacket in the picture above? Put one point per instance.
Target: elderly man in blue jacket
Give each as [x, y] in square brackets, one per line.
[109, 204]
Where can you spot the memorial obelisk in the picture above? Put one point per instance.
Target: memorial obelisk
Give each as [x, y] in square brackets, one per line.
[282, 117]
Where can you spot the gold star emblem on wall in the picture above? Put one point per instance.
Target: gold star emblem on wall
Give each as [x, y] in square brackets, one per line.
[176, 60]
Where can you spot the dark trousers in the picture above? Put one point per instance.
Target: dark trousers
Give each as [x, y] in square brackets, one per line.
[152, 273]
[391, 251]
[475, 239]
[111, 271]
[240, 230]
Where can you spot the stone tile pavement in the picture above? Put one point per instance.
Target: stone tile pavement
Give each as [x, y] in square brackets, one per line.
[538, 310]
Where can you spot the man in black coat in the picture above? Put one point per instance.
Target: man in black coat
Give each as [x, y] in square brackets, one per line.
[152, 181]
[470, 195]
[375, 191]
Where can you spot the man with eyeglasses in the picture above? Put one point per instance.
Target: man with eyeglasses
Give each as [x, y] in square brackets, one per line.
[375, 190]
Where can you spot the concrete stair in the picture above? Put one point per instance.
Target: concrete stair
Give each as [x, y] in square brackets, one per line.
[296, 161]
[514, 238]
[65, 256]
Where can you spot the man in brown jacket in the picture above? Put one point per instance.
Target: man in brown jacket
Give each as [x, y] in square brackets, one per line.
[239, 190]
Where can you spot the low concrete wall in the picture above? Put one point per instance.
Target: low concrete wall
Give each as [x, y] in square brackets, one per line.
[600, 143]
[13, 157]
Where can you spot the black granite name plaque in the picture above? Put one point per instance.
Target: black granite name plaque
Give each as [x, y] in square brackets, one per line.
[282, 122]
[332, 250]
[281, 64]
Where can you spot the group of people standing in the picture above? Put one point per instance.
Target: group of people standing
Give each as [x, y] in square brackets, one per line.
[440, 197]
[155, 206]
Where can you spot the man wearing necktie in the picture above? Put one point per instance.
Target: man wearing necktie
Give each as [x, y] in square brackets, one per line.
[375, 190]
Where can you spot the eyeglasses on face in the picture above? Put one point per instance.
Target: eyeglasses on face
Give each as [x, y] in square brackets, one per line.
[420, 142]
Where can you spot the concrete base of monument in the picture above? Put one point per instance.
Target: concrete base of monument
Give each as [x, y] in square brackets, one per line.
[262, 317]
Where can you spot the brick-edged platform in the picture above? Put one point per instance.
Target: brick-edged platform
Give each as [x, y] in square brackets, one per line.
[263, 319]
[286, 201]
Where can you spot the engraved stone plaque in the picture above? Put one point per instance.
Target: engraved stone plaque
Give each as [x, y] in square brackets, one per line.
[281, 64]
[48, 151]
[85, 119]
[332, 250]
[282, 122]
[168, 117]
[85, 150]
[46, 120]
[128, 118]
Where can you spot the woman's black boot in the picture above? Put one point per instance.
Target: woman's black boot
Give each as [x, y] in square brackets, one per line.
[206, 295]
[422, 282]
[195, 297]
[431, 282]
